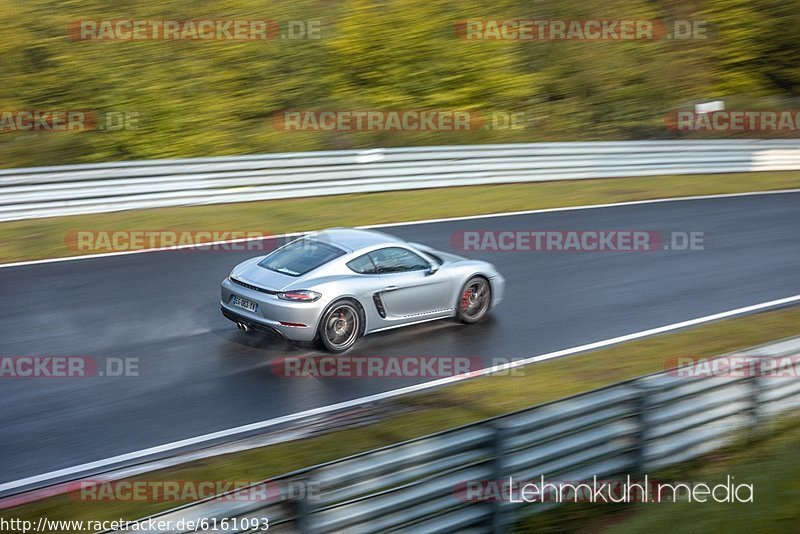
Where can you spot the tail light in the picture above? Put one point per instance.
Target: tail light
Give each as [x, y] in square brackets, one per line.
[301, 295]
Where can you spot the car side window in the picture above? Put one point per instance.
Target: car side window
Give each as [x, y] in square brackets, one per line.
[362, 265]
[397, 260]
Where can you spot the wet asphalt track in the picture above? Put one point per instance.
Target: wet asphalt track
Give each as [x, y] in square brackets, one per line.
[198, 374]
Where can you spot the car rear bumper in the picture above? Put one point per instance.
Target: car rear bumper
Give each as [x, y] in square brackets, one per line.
[271, 315]
[250, 323]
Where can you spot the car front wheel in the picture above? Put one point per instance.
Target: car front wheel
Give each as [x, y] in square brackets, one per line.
[474, 300]
[340, 326]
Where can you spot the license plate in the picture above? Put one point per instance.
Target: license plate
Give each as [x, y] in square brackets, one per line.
[248, 305]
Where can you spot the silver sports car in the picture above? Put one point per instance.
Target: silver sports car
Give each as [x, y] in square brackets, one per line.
[342, 283]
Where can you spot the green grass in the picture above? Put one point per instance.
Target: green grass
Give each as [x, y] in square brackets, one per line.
[45, 238]
[768, 464]
[448, 407]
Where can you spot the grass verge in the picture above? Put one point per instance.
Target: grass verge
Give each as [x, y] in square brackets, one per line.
[769, 464]
[46, 238]
[446, 408]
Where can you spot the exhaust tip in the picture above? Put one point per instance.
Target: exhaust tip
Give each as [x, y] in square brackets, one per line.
[243, 327]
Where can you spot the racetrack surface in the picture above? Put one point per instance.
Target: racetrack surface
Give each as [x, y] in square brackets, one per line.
[199, 374]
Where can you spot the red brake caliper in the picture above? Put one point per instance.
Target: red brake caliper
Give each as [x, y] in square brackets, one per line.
[465, 299]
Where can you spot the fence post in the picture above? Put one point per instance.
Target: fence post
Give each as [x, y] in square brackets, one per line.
[500, 517]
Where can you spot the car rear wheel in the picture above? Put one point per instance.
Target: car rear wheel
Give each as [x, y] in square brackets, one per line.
[474, 300]
[340, 326]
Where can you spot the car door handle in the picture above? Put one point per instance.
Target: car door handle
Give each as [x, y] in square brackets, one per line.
[390, 288]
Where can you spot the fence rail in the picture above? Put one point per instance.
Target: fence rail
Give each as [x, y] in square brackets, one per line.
[94, 188]
[629, 428]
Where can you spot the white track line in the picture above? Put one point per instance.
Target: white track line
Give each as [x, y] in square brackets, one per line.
[169, 447]
[407, 223]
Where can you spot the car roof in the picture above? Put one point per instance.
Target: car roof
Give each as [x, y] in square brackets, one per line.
[353, 239]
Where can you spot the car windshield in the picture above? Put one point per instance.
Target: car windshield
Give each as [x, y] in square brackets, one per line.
[299, 257]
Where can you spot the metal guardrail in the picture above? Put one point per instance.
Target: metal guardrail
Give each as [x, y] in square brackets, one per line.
[94, 188]
[629, 428]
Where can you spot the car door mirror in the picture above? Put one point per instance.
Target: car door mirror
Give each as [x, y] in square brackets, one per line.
[432, 268]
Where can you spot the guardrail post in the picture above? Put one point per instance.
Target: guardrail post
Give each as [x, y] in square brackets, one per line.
[302, 509]
[643, 423]
[500, 517]
[755, 385]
